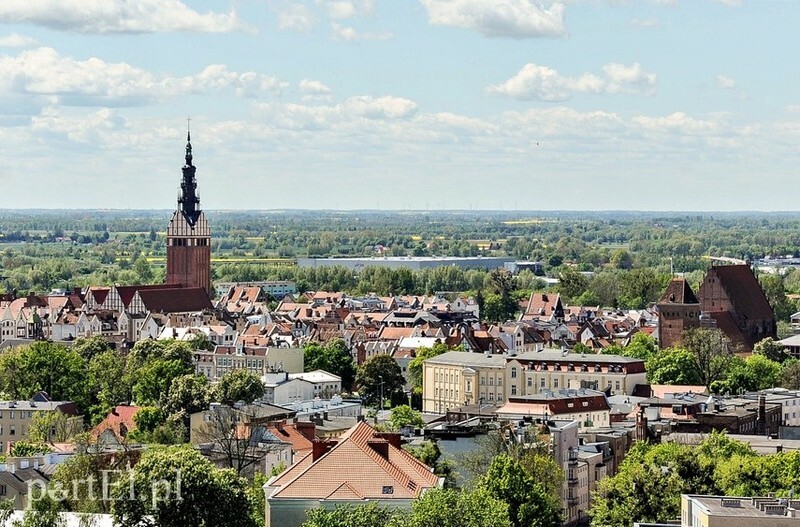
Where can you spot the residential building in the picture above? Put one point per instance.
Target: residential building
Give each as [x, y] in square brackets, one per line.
[361, 466]
[414, 263]
[16, 417]
[455, 378]
[280, 389]
[116, 425]
[325, 384]
[587, 407]
[530, 373]
[257, 360]
[734, 511]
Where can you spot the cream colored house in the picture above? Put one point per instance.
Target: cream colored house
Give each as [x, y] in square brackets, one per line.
[456, 378]
[530, 373]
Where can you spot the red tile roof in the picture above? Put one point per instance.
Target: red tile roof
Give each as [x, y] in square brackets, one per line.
[678, 292]
[744, 291]
[182, 300]
[121, 416]
[362, 465]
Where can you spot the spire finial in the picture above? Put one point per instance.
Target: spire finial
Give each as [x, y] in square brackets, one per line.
[188, 141]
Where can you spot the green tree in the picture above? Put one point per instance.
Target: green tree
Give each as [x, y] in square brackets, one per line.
[25, 448]
[529, 504]
[106, 377]
[771, 349]
[790, 375]
[239, 385]
[53, 427]
[368, 515]
[454, 508]
[187, 394]
[380, 375]
[712, 353]
[673, 366]
[89, 347]
[44, 366]
[621, 259]
[404, 415]
[333, 357]
[208, 496]
[571, 283]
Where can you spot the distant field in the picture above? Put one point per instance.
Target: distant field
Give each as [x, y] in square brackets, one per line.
[528, 222]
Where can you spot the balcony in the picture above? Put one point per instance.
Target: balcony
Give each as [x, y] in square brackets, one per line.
[572, 481]
[572, 501]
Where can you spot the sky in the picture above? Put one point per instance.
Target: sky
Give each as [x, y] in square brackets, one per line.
[402, 104]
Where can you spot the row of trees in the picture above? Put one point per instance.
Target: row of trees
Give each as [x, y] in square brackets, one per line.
[652, 478]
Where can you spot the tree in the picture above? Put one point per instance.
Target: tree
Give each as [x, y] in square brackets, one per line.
[187, 394]
[404, 415]
[528, 502]
[380, 375]
[204, 496]
[239, 385]
[53, 427]
[771, 349]
[673, 366]
[757, 372]
[454, 508]
[711, 353]
[25, 448]
[621, 259]
[368, 515]
[642, 346]
[44, 366]
[91, 346]
[790, 375]
[107, 380]
[571, 283]
[230, 437]
[333, 358]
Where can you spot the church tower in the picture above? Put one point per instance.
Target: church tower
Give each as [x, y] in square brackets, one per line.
[188, 234]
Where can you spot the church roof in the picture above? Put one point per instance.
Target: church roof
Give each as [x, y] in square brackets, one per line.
[175, 300]
[678, 292]
[744, 291]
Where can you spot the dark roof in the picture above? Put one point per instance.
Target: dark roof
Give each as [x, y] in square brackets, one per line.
[127, 292]
[678, 292]
[744, 291]
[175, 300]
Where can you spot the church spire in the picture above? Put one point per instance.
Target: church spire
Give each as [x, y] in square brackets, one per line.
[189, 200]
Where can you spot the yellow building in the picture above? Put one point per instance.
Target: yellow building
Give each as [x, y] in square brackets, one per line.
[457, 378]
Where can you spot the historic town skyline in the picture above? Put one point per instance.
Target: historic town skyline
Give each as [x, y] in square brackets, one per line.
[512, 104]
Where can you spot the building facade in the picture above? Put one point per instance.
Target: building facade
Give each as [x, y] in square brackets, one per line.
[189, 235]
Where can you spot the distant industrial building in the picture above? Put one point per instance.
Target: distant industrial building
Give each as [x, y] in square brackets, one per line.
[274, 288]
[536, 268]
[415, 263]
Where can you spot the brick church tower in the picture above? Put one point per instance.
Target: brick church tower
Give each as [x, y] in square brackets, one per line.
[189, 235]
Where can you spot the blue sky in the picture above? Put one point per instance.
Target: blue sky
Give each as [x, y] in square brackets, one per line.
[402, 104]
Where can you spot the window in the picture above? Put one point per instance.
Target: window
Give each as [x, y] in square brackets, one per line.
[555, 383]
[513, 389]
[3, 490]
[513, 373]
[541, 382]
[530, 382]
[12, 430]
[387, 489]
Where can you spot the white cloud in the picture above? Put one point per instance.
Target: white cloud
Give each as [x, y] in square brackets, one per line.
[349, 34]
[117, 16]
[499, 18]
[725, 83]
[296, 16]
[313, 87]
[731, 3]
[360, 109]
[547, 84]
[90, 128]
[45, 73]
[16, 40]
[344, 9]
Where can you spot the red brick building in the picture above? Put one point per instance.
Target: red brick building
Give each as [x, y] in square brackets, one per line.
[189, 235]
[729, 298]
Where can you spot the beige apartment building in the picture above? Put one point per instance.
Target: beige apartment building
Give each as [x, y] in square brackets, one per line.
[16, 417]
[530, 373]
[456, 378]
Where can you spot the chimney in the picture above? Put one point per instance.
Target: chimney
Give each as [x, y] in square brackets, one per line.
[395, 440]
[325, 415]
[320, 448]
[114, 411]
[306, 429]
[381, 446]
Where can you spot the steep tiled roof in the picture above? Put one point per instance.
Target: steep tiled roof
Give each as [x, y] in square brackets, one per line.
[127, 292]
[183, 300]
[744, 291]
[678, 292]
[356, 468]
[119, 417]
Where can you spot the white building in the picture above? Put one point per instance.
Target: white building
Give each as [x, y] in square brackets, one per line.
[325, 384]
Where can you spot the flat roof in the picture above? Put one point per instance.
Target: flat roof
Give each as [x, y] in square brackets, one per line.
[466, 358]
